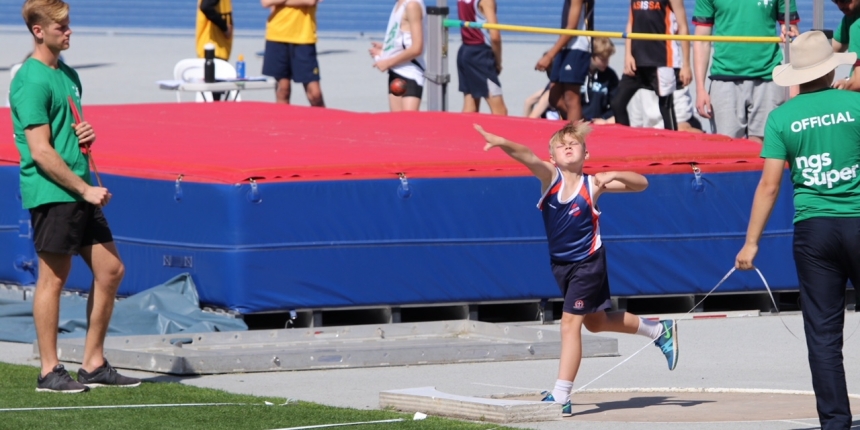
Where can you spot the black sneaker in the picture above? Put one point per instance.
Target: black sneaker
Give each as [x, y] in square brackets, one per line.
[105, 376]
[59, 381]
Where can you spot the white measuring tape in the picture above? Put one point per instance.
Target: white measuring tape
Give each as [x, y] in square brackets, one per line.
[766, 286]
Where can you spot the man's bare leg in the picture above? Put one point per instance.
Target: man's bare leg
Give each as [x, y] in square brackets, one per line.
[53, 273]
[108, 271]
[410, 103]
[314, 93]
[282, 91]
[497, 105]
[471, 104]
[572, 103]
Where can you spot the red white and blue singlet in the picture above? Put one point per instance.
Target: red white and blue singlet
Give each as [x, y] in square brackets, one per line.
[572, 227]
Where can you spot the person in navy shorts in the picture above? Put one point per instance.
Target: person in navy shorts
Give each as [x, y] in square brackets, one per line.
[479, 60]
[291, 50]
[577, 255]
[568, 61]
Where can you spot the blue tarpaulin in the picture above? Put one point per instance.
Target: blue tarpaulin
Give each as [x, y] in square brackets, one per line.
[172, 307]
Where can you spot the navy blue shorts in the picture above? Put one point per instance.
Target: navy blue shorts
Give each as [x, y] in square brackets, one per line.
[291, 61]
[65, 228]
[476, 68]
[570, 66]
[584, 284]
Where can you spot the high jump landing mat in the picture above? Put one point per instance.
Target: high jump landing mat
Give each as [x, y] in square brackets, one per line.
[274, 207]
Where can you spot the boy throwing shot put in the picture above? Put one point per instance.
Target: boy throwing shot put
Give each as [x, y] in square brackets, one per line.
[577, 256]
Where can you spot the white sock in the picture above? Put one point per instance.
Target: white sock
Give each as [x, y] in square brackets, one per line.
[561, 392]
[647, 328]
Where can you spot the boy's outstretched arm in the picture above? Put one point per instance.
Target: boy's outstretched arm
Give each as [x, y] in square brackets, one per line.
[619, 182]
[543, 170]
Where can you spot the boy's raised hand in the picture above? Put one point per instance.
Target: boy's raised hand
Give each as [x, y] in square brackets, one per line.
[492, 139]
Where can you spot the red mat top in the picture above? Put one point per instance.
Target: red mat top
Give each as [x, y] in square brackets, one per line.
[231, 142]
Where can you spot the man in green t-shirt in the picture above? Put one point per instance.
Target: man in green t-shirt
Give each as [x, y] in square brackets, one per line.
[818, 134]
[65, 209]
[741, 92]
[847, 38]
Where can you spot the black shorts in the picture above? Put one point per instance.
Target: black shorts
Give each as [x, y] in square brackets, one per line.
[291, 61]
[412, 87]
[647, 77]
[476, 69]
[570, 66]
[584, 284]
[65, 228]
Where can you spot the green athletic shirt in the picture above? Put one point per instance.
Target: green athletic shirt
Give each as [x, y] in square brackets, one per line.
[740, 61]
[39, 95]
[848, 32]
[819, 135]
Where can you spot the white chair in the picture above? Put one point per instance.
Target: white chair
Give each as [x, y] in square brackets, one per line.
[191, 70]
[12, 71]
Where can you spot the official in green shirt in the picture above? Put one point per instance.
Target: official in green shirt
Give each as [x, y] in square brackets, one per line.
[65, 208]
[818, 134]
[741, 93]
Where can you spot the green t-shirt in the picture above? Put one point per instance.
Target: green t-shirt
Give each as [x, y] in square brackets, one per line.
[743, 18]
[819, 135]
[39, 95]
[848, 32]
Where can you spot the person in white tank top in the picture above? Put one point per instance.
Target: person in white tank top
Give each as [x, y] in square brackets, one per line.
[402, 53]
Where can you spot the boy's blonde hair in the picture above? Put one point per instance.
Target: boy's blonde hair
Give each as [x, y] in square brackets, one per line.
[577, 131]
[44, 12]
[602, 47]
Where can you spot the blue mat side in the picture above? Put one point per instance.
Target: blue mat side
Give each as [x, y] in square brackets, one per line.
[360, 243]
[18, 261]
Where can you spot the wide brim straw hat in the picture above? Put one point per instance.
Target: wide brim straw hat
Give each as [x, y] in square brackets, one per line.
[812, 57]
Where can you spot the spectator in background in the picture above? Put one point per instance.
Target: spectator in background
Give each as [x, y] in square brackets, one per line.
[644, 112]
[661, 66]
[479, 60]
[601, 84]
[842, 40]
[537, 104]
[402, 53]
[741, 72]
[291, 51]
[215, 25]
[570, 58]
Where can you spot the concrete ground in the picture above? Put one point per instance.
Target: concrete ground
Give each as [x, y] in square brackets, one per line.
[756, 362]
[751, 353]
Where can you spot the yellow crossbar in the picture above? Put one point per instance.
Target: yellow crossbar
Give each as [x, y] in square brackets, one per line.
[610, 34]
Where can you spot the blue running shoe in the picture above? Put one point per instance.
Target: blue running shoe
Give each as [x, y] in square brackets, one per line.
[668, 342]
[566, 409]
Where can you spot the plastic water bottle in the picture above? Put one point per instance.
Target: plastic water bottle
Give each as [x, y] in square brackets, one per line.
[209, 62]
[240, 67]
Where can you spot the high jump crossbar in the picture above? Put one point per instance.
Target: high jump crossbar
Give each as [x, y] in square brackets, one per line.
[610, 34]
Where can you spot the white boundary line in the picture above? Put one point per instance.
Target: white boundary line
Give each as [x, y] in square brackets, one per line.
[706, 390]
[396, 420]
[171, 405]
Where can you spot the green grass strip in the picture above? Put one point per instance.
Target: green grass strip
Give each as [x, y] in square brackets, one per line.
[128, 409]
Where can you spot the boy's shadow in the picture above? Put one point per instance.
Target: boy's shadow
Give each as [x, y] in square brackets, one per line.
[636, 403]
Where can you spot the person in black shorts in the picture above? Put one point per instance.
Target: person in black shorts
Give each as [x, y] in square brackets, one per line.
[661, 66]
[65, 209]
